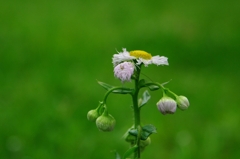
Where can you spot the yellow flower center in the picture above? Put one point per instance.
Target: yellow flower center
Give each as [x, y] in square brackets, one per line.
[141, 54]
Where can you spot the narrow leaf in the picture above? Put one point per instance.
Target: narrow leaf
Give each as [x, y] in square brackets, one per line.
[123, 91]
[153, 87]
[145, 97]
[150, 85]
[117, 156]
[130, 151]
[105, 85]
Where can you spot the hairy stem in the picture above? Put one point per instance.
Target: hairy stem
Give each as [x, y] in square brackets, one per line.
[137, 124]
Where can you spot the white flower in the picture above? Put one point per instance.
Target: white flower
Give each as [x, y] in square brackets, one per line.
[140, 56]
[124, 71]
[167, 105]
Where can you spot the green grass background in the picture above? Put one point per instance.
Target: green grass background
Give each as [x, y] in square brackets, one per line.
[52, 52]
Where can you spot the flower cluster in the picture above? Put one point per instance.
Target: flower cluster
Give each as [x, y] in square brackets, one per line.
[104, 121]
[127, 67]
[124, 62]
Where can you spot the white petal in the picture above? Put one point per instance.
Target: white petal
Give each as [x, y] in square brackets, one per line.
[121, 56]
[144, 61]
[159, 60]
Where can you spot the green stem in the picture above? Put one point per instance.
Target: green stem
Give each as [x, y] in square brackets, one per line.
[110, 91]
[166, 90]
[137, 124]
[162, 87]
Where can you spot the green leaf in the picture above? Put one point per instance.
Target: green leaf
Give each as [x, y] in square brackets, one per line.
[150, 85]
[130, 151]
[117, 90]
[117, 156]
[123, 91]
[153, 87]
[133, 132]
[105, 85]
[142, 83]
[147, 130]
[145, 97]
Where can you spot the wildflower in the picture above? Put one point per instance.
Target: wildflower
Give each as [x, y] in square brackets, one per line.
[167, 105]
[140, 56]
[124, 71]
[182, 102]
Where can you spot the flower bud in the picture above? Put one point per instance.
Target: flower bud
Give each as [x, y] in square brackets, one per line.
[105, 122]
[182, 102]
[124, 71]
[144, 143]
[130, 138]
[92, 115]
[166, 105]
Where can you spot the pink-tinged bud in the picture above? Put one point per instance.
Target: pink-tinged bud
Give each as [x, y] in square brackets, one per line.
[167, 105]
[124, 71]
[182, 102]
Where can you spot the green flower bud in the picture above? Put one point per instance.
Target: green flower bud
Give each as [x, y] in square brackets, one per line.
[130, 138]
[166, 105]
[92, 115]
[144, 143]
[182, 102]
[105, 122]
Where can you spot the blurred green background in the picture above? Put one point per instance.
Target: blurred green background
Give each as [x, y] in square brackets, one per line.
[52, 52]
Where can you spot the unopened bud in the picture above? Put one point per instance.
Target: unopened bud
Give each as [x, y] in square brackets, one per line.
[182, 102]
[92, 115]
[166, 105]
[105, 122]
[144, 143]
[130, 138]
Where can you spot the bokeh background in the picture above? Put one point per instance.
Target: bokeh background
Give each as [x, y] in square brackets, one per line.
[52, 53]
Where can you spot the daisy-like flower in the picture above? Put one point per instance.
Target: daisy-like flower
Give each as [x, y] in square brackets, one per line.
[124, 71]
[140, 56]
